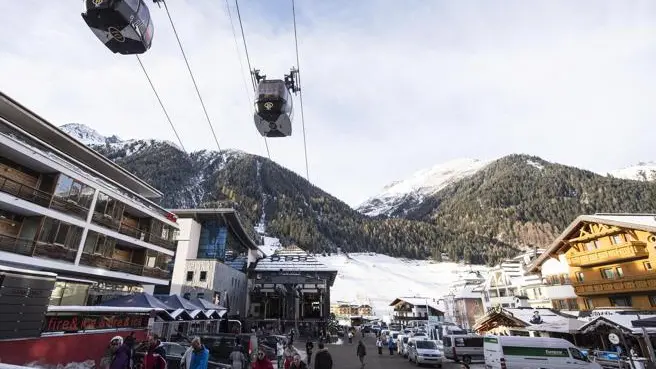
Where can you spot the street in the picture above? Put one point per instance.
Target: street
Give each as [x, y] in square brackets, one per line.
[344, 357]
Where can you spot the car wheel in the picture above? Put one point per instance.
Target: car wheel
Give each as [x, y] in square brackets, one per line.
[466, 360]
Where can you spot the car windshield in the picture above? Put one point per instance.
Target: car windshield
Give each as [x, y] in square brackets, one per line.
[426, 345]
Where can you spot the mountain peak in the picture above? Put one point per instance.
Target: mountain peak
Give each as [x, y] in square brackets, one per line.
[643, 171]
[87, 135]
[422, 183]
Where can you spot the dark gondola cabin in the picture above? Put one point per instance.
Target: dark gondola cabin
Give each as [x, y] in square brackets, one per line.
[273, 109]
[124, 26]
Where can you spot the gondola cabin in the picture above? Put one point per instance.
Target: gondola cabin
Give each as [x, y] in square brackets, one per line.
[124, 26]
[273, 109]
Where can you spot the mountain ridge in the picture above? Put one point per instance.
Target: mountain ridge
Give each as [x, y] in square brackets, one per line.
[492, 212]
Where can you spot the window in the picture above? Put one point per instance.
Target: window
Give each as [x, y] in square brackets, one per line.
[190, 276]
[589, 305]
[617, 239]
[624, 301]
[200, 295]
[607, 273]
[579, 277]
[187, 296]
[652, 300]
[592, 245]
[203, 276]
[647, 265]
[576, 354]
[620, 272]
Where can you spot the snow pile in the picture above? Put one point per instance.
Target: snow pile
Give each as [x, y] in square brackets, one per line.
[84, 134]
[421, 184]
[641, 172]
[377, 279]
[271, 244]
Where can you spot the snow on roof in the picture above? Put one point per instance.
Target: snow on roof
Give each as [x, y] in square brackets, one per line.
[552, 321]
[623, 320]
[468, 292]
[417, 301]
[291, 258]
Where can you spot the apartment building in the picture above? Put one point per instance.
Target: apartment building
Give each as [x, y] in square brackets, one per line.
[66, 209]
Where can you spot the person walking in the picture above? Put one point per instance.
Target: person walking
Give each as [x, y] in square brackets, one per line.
[199, 355]
[350, 336]
[361, 351]
[298, 363]
[156, 355]
[390, 345]
[309, 346]
[289, 353]
[237, 358]
[280, 353]
[379, 345]
[323, 359]
[261, 361]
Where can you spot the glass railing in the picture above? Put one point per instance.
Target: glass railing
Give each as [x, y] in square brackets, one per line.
[24, 192]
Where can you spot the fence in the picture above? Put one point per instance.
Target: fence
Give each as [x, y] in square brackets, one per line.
[174, 330]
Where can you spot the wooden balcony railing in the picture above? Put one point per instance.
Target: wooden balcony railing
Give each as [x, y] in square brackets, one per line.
[99, 261]
[640, 283]
[133, 232]
[69, 207]
[105, 220]
[24, 192]
[17, 245]
[159, 241]
[54, 251]
[629, 250]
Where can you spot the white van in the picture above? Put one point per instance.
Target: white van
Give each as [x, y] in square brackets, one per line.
[511, 352]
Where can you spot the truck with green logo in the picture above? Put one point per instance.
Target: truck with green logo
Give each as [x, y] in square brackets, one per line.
[514, 352]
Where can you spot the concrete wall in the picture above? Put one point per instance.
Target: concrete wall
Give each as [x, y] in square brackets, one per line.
[187, 248]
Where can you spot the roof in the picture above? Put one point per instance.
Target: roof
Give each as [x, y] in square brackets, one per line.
[624, 321]
[92, 161]
[177, 302]
[207, 305]
[100, 309]
[291, 259]
[229, 215]
[551, 320]
[417, 301]
[644, 222]
[468, 292]
[142, 300]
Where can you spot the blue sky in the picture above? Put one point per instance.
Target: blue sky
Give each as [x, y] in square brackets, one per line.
[389, 87]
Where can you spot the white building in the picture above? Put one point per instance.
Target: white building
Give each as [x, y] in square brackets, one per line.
[509, 285]
[66, 209]
[213, 254]
[558, 288]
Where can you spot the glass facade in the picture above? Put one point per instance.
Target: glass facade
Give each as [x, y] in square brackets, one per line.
[69, 293]
[212, 243]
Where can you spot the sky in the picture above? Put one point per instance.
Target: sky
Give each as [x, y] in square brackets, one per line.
[388, 89]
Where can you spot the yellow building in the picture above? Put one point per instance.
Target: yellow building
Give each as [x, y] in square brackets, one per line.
[611, 259]
[364, 310]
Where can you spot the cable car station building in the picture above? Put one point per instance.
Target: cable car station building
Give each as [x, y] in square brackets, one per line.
[290, 288]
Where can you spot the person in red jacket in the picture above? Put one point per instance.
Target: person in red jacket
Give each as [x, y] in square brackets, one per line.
[262, 362]
[156, 356]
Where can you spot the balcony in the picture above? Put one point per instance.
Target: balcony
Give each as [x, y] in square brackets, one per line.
[24, 192]
[99, 261]
[626, 251]
[627, 284]
[105, 220]
[132, 232]
[54, 251]
[69, 206]
[159, 241]
[17, 245]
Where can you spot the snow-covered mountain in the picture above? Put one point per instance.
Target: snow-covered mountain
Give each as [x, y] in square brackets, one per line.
[643, 171]
[88, 135]
[360, 278]
[421, 184]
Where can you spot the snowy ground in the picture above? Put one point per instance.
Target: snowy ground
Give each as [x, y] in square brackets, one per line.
[378, 279]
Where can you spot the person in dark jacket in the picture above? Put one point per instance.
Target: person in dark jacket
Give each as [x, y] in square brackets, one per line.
[156, 356]
[323, 359]
[298, 363]
[361, 352]
[309, 346]
[121, 359]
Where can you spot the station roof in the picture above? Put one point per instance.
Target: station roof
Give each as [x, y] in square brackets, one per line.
[229, 215]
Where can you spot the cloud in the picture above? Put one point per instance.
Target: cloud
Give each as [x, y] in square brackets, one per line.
[388, 89]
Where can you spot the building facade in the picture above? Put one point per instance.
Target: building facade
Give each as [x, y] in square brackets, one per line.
[415, 308]
[66, 209]
[213, 254]
[610, 260]
[292, 289]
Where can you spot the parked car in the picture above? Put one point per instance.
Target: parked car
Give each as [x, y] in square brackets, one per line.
[425, 352]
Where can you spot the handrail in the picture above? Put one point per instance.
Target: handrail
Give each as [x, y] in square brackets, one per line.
[124, 266]
[62, 204]
[31, 194]
[15, 244]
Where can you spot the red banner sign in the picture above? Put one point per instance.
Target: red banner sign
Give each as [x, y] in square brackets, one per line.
[74, 323]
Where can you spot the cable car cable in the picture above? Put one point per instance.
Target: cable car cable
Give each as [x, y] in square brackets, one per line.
[298, 67]
[248, 60]
[209, 121]
[161, 104]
